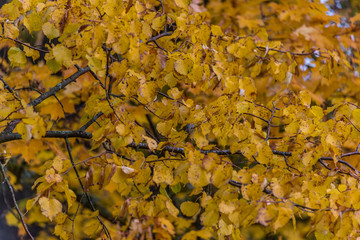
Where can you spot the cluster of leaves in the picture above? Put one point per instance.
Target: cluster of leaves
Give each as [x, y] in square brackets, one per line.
[174, 119]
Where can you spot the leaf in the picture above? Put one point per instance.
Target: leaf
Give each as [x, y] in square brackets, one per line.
[62, 55]
[183, 66]
[198, 177]
[172, 209]
[167, 225]
[17, 57]
[183, 3]
[152, 144]
[158, 23]
[130, 172]
[305, 98]
[189, 209]
[283, 217]
[50, 207]
[92, 227]
[50, 31]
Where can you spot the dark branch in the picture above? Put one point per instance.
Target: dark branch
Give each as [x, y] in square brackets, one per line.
[83, 128]
[164, 34]
[59, 86]
[11, 126]
[28, 45]
[6, 137]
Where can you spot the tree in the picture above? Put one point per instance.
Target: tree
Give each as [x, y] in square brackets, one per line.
[180, 119]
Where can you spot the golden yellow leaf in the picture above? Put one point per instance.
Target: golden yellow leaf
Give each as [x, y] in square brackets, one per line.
[172, 209]
[150, 142]
[183, 3]
[198, 177]
[91, 227]
[183, 66]
[167, 225]
[16, 57]
[62, 55]
[305, 98]
[50, 207]
[189, 209]
[50, 31]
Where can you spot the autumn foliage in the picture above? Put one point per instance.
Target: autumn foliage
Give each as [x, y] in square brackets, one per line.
[180, 119]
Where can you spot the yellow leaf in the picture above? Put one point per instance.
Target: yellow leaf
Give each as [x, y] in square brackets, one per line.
[342, 187]
[356, 115]
[24, 130]
[221, 175]
[29, 52]
[225, 228]
[158, 23]
[50, 31]
[62, 55]
[183, 3]
[283, 217]
[17, 57]
[122, 45]
[167, 225]
[10, 11]
[10, 31]
[209, 218]
[33, 21]
[265, 216]
[11, 219]
[183, 66]
[50, 207]
[305, 98]
[189, 209]
[317, 112]
[216, 30]
[91, 227]
[172, 209]
[30, 203]
[118, 70]
[152, 144]
[198, 177]
[52, 177]
[163, 174]
[58, 163]
[256, 69]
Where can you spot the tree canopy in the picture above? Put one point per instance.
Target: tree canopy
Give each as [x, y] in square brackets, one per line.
[181, 119]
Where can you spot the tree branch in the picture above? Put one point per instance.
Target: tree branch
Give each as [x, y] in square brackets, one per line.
[59, 86]
[86, 125]
[11, 126]
[7, 137]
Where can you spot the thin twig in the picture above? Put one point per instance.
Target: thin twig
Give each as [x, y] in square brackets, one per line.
[167, 96]
[73, 220]
[27, 45]
[281, 51]
[147, 108]
[84, 161]
[107, 233]
[14, 201]
[7, 86]
[269, 122]
[91, 121]
[164, 34]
